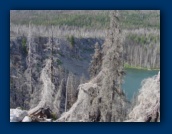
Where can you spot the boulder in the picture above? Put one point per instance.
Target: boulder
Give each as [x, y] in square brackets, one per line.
[48, 120]
[27, 119]
[17, 115]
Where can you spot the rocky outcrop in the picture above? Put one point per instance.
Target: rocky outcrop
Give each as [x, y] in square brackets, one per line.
[147, 108]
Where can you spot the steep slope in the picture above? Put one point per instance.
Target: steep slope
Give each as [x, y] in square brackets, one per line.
[101, 99]
[67, 58]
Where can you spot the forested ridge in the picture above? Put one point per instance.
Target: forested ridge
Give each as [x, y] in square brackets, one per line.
[140, 28]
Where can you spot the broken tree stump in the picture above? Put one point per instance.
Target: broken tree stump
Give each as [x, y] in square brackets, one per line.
[41, 114]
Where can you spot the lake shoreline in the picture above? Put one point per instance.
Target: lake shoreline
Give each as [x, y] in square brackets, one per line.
[132, 81]
[126, 66]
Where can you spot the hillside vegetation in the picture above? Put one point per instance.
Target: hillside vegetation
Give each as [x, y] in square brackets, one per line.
[140, 30]
[130, 19]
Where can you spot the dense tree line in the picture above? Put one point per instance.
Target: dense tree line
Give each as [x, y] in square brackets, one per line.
[142, 55]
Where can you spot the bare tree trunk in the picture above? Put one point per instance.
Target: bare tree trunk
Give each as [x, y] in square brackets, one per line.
[154, 57]
[52, 43]
[66, 99]
[29, 56]
[141, 54]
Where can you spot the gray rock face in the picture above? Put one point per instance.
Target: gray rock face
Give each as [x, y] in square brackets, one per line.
[17, 115]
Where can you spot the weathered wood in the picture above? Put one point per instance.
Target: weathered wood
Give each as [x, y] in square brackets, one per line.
[40, 114]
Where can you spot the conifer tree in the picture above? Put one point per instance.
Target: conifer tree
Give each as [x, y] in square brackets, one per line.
[95, 65]
[113, 64]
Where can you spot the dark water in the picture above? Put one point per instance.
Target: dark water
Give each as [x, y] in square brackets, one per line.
[133, 78]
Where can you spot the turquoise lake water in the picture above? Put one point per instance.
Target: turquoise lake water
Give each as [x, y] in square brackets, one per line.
[133, 78]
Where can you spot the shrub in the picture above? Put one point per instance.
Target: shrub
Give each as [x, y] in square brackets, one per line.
[59, 62]
[54, 116]
[71, 39]
[24, 47]
[143, 39]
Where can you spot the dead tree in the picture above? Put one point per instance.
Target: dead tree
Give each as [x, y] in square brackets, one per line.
[29, 57]
[52, 51]
[96, 63]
